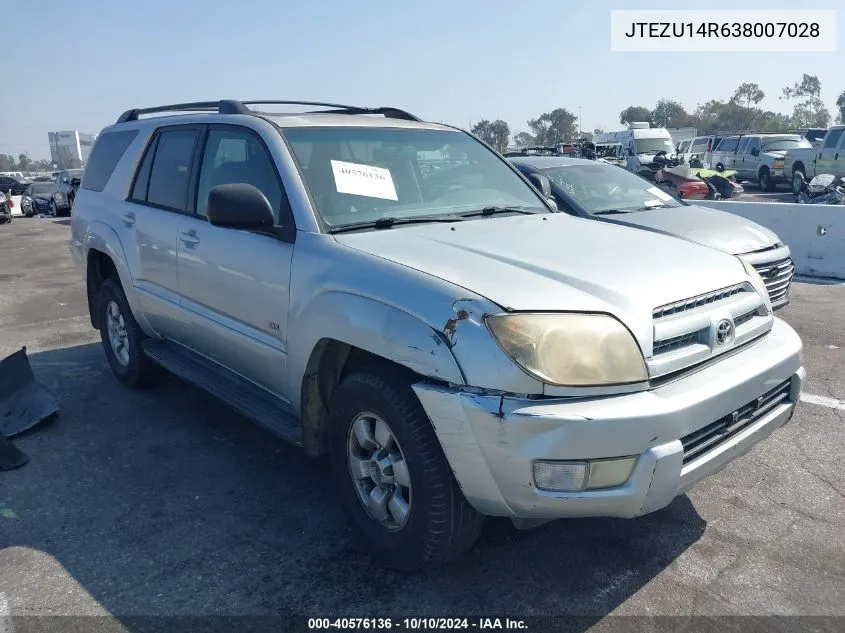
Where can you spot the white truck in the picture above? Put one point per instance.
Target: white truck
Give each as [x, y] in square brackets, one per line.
[640, 143]
[807, 163]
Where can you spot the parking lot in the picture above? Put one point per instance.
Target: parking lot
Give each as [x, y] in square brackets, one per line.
[163, 502]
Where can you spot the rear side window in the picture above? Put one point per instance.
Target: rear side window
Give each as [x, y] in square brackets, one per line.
[164, 175]
[108, 150]
[699, 147]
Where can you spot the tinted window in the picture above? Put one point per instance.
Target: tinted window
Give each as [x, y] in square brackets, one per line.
[108, 150]
[232, 156]
[142, 178]
[833, 138]
[171, 169]
[753, 144]
[742, 145]
[728, 145]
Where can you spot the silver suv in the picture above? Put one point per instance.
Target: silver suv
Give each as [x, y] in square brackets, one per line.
[395, 294]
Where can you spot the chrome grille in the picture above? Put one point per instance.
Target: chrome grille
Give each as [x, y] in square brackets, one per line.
[700, 442]
[696, 302]
[777, 276]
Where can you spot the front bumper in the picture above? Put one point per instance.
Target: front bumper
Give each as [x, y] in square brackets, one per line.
[492, 442]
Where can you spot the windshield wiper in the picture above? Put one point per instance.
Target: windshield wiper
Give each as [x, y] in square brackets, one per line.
[610, 212]
[493, 210]
[388, 222]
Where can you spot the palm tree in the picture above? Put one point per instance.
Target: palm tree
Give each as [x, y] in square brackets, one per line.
[840, 103]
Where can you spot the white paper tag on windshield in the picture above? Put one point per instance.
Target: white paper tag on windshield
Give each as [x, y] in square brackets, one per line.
[659, 193]
[363, 180]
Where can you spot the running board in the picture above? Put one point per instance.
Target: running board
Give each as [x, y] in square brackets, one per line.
[240, 394]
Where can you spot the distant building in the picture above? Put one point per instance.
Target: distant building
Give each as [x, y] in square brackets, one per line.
[69, 148]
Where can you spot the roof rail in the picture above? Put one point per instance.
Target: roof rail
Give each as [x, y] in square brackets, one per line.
[231, 106]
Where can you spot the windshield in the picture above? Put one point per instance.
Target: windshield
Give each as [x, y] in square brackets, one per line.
[362, 174]
[605, 188]
[40, 187]
[653, 145]
[784, 144]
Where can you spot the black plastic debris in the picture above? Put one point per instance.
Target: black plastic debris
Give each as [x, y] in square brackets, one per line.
[11, 457]
[23, 401]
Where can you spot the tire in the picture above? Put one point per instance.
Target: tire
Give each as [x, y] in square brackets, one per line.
[135, 369]
[53, 210]
[440, 524]
[764, 179]
[796, 188]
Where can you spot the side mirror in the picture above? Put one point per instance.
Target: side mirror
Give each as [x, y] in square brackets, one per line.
[755, 151]
[239, 206]
[75, 182]
[542, 184]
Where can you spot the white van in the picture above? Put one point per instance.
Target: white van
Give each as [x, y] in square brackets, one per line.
[640, 142]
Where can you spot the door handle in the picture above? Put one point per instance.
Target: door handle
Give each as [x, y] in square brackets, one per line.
[128, 219]
[189, 237]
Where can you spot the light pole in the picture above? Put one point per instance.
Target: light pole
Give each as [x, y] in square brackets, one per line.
[580, 134]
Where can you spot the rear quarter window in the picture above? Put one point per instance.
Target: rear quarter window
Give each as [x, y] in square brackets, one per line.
[728, 145]
[107, 152]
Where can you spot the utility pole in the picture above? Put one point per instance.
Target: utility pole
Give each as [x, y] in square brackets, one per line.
[580, 134]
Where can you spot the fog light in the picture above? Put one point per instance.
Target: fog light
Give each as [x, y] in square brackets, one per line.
[580, 476]
[560, 476]
[610, 473]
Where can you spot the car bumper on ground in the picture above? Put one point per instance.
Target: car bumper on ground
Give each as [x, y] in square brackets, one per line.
[492, 442]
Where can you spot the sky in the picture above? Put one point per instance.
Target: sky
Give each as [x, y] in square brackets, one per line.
[78, 65]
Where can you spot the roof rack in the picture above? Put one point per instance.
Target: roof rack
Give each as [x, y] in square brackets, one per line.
[231, 106]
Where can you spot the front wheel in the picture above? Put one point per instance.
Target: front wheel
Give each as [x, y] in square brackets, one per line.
[765, 180]
[798, 180]
[391, 475]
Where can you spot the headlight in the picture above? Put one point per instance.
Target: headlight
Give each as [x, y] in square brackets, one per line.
[575, 350]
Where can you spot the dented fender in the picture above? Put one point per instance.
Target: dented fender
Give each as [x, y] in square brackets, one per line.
[373, 326]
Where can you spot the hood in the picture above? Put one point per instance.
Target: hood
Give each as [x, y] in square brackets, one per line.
[776, 153]
[556, 262]
[709, 227]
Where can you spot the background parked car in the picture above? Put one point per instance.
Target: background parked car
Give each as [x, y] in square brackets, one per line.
[758, 157]
[64, 189]
[5, 209]
[828, 158]
[14, 185]
[38, 198]
[603, 192]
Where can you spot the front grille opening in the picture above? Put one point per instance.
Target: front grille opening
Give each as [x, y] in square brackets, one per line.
[674, 343]
[777, 276]
[697, 302]
[700, 442]
[745, 318]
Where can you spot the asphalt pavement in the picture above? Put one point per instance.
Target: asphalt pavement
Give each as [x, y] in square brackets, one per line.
[163, 502]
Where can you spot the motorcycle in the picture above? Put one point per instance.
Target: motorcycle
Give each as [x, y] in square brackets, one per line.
[690, 183]
[823, 189]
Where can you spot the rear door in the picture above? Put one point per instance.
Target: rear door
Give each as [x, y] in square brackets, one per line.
[150, 220]
[235, 284]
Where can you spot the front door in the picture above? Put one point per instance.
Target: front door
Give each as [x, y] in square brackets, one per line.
[235, 284]
[752, 158]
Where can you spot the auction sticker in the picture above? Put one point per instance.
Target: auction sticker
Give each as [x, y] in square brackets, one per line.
[363, 180]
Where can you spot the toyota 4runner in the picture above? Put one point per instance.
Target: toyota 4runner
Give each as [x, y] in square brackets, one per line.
[395, 294]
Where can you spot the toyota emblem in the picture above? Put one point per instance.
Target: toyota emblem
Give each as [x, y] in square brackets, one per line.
[724, 332]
